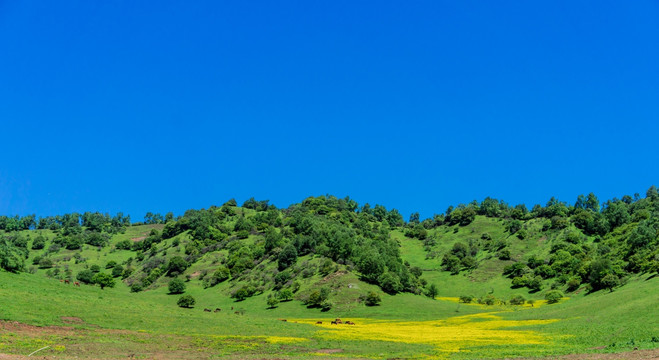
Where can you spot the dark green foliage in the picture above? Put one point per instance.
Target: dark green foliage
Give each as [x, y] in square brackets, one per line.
[432, 291]
[372, 299]
[39, 242]
[124, 245]
[390, 283]
[85, 276]
[466, 299]
[117, 271]
[186, 301]
[176, 266]
[136, 287]
[610, 281]
[285, 295]
[318, 297]
[243, 292]
[287, 257]
[176, 286]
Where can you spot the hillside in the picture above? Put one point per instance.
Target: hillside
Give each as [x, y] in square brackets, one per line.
[327, 257]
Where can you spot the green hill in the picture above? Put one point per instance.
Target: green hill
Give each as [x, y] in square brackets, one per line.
[482, 280]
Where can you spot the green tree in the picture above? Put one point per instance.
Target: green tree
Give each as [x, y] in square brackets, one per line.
[176, 265]
[176, 286]
[610, 281]
[553, 296]
[272, 302]
[103, 280]
[85, 276]
[287, 257]
[285, 295]
[390, 282]
[372, 299]
[432, 291]
[186, 301]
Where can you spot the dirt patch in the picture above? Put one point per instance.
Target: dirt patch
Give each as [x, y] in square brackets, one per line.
[72, 320]
[34, 331]
[136, 239]
[195, 275]
[636, 354]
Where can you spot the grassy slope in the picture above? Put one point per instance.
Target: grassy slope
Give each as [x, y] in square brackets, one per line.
[626, 317]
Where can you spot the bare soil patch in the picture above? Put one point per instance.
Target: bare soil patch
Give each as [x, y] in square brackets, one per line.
[34, 331]
[329, 351]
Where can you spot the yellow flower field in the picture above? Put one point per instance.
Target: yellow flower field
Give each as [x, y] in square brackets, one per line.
[449, 335]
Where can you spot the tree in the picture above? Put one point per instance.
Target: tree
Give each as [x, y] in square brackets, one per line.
[104, 280]
[285, 295]
[186, 301]
[432, 291]
[176, 286]
[176, 265]
[553, 296]
[272, 301]
[517, 300]
[390, 282]
[372, 299]
[610, 281]
[85, 277]
[287, 257]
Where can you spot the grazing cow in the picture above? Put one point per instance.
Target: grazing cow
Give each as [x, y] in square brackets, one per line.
[76, 283]
[237, 312]
[66, 281]
[207, 310]
[218, 309]
[333, 322]
[232, 308]
[319, 322]
[349, 322]
[338, 321]
[281, 319]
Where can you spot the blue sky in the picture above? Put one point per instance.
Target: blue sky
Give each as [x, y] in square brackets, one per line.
[165, 106]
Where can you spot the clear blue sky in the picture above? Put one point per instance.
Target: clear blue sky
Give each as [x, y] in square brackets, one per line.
[140, 106]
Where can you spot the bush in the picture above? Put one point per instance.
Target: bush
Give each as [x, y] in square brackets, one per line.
[176, 265]
[176, 286]
[136, 287]
[285, 295]
[272, 302]
[124, 245]
[466, 299]
[326, 305]
[573, 284]
[553, 296]
[117, 271]
[104, 280]
[372, 299]
[45, 263]
[85, 276]
[517, 300]
[186, 301]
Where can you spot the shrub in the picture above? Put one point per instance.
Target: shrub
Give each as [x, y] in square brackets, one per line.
[517, 300]
[285, 295]
[466, 299]
[111, 264]
[573, 284]
[85, 276]
[124, 245]
[553, 296]
[176, 265]
[372, 299]
[326, 305]
[272, 302]
[104, 280]
[136, 287]
[186, 301]
[45, 263]
[176, 286]
[117, 271]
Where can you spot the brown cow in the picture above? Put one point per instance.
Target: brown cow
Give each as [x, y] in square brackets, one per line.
[319, 322]
[207, 310]
[338, 321]
[217, 310]
[349, 322]
[281, 319]
[76, 283]
[237, 312]
[333, 322]
[66, 281]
